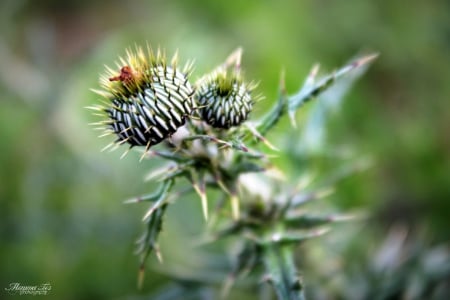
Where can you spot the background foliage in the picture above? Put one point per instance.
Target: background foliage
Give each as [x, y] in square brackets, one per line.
[61, 212]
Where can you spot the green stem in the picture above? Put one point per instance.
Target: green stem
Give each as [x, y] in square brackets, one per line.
[282, 273]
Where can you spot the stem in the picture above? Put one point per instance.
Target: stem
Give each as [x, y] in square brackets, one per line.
[273, 116]
[282, 273]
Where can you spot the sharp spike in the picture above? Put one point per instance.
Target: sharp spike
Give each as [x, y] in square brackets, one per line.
[141, 275]
[174, 59]
[200, 191]
[107, 147]
[158, 254]
[148, 214]
[125, 152]
[105, 134]
[235, 207]
[365, 60]
[147, 148]
[115, 146]
[283, 82]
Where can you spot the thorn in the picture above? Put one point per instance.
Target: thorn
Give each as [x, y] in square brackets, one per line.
[262, 138]
[225, 291]
[123, 141]
[313, 73]
[283, 82]
[292, 118]
[235, 207]
[125, 153]
[159, 172]
[100, 123]
[237, 66]
[200, 191]
[145, 151]
[158, 254]
[269, 144]
[105, 134]
[107, 147]
[345, 218]
[95, 108]
[234, 58]
[148, 214]
[222, 186]
[141, 275]
[99, 114]
[126, 129]
[100, 93]
[132, 200]
[305, 181]
[320, 232]
[325, 193]
[365, 60]
[242, 147]
[115, 146]
[274, 172]
[204, 206]
[174, 59]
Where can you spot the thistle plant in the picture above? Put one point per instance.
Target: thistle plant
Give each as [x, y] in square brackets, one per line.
[202, 130]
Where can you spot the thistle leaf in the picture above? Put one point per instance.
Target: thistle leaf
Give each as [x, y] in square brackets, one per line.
[306, 221]
[295, 237]
[159, 201]
[148, 243]
[312, 87]
[153, 197]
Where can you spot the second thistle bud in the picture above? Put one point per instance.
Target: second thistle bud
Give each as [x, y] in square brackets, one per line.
[225, 100]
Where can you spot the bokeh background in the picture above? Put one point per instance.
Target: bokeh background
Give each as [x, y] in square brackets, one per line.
[62, 220]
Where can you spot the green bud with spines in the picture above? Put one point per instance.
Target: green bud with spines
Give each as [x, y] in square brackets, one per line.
[225, 100]
[146, 100]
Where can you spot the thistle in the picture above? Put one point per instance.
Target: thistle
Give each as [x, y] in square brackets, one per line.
[146, 100]
[225, 99]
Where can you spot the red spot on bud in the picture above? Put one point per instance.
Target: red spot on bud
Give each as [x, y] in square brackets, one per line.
[126, 75]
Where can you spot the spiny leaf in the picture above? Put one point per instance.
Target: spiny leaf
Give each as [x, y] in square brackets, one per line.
[295, 237]
[169, 156]
[312, 88]
[160, 201]
[305, 197]
[247, 260]
[148, 242]
[153, 197]
[306, 221]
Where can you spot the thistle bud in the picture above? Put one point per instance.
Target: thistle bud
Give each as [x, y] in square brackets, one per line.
[225, 100]
[147, 100]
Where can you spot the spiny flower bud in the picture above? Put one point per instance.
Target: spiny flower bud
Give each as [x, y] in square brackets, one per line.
[225, 100]
[146, 101]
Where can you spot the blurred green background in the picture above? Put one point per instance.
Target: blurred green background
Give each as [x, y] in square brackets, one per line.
[61, 211]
